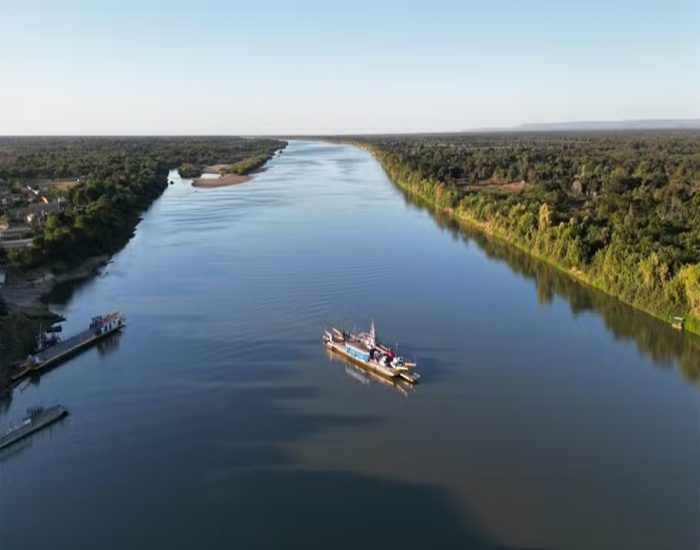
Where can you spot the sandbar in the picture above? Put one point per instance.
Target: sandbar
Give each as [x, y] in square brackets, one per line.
[223, 181]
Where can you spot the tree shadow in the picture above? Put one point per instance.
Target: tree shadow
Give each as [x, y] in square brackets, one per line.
[652, 337]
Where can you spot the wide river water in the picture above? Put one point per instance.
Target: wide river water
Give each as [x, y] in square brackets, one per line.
[549, 415]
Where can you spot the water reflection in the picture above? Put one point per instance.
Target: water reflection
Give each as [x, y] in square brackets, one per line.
[655, 339]
[7, 454]
[220, 471]
[366, 377]
[109, 344]
[220, 417]
[64, 291]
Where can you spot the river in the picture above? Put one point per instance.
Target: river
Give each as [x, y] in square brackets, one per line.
[549, 415]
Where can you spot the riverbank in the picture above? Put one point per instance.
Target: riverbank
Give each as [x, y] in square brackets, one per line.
[120, 180]
[25, 297]
[437, 195]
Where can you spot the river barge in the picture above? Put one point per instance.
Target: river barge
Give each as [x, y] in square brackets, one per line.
[364, 350]
[54, 350]
[36, 419]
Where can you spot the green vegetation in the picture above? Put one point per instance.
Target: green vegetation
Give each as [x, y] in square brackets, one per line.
[247, 165]
[17, 338]
[662, 346]
[120, 177]
[618, 211]
[189, 170]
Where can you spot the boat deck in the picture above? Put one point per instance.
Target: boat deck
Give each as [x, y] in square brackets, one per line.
[63, 350]
[375, 367]
[65, 346]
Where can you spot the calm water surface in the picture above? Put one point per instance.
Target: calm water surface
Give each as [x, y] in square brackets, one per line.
[549, 415]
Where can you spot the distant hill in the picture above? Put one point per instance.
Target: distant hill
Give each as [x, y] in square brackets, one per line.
[650, 124]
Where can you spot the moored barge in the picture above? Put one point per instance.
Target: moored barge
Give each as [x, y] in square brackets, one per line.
[366, 351]
[54, 350]
[36, 419]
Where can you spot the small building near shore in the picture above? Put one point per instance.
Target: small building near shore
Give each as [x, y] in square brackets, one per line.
[37, 211]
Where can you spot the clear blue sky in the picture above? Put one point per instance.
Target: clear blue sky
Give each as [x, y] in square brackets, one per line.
[302, 66]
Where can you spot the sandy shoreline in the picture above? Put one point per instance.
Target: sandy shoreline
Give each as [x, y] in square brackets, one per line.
[216, 169]
[223, 181]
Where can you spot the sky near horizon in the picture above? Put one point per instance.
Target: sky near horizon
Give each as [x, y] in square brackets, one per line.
[309, 66]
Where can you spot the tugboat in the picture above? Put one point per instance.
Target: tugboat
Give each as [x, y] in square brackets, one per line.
[365, 350]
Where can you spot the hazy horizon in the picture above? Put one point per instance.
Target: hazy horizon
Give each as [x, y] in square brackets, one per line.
[526, 127]
[267, 68]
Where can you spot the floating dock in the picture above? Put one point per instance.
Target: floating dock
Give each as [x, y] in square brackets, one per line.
[38, 419]
[100, 327]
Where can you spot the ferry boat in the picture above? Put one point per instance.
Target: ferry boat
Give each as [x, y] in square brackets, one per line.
[52, 349]
[365, 350]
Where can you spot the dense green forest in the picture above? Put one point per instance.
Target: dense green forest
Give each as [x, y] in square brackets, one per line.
[120, 177]
[620, 211]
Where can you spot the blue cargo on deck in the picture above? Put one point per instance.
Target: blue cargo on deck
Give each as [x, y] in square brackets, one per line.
[355, 352]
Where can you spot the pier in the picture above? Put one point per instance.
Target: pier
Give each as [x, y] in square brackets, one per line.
[35, 421]
[100, 327]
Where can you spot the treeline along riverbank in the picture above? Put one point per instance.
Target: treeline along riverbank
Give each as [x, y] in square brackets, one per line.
[663, 347]
[111, 181]
[118, 179]
[618, 211]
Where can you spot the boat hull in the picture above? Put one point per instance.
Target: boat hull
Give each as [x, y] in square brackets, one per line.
[384, 372]
[64, 355]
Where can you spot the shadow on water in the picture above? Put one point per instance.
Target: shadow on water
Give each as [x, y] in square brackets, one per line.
[63, 292]
[244, 486]
[652, 337]
[367, 377]
[109, 344]
[26, 443]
